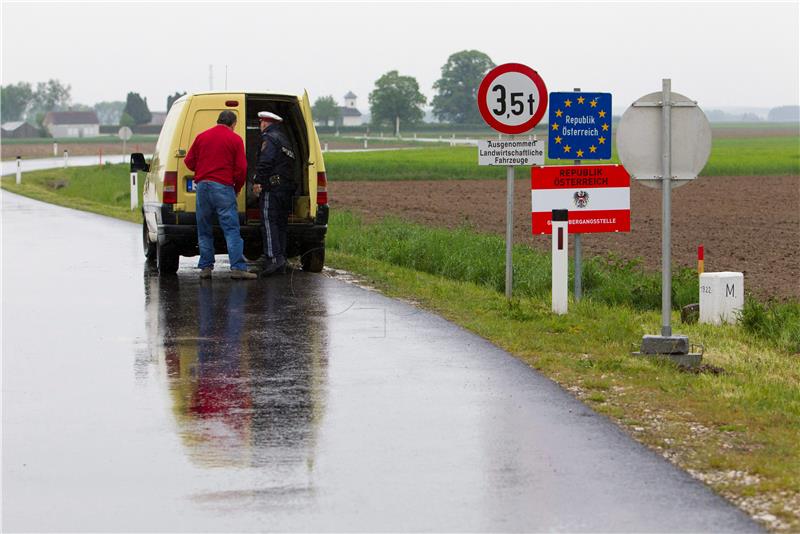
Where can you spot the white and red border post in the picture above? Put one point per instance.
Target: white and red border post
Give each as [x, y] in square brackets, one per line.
[134, 190]
[560, 261]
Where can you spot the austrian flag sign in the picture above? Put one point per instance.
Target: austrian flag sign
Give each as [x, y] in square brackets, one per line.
[596, 196]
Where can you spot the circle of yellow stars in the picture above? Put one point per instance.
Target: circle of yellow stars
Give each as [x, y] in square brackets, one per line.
[604, 126]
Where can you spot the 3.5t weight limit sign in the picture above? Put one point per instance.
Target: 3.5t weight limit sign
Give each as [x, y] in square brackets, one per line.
[512, 98]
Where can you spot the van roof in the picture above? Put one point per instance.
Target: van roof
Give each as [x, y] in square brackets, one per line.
[229, 92]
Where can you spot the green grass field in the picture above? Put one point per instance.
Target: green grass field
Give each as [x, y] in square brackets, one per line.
[757, 156]
[110, 138]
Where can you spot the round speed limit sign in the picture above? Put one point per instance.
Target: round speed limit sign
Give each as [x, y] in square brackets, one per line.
[512, 98]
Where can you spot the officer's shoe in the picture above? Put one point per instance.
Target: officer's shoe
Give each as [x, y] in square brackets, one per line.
[278, 266]
[258, 262]
[237, 274]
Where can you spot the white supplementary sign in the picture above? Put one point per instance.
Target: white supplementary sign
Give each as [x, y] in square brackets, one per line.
[508, 152]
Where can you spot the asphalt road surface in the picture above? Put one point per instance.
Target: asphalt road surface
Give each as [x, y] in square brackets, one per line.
[10, 166]
[297, 403]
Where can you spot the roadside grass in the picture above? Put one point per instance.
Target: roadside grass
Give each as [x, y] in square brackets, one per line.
[734, 424]
[757, 156]
[104, 190]
[467, 256]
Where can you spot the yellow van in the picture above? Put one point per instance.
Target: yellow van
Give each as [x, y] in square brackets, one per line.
[168, 205]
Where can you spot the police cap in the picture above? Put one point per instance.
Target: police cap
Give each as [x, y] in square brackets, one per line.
[267, 116]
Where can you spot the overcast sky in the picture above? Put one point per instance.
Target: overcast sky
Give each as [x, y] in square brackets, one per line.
[722, 54]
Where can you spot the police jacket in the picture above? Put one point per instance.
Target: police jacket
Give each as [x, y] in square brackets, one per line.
[276, 160]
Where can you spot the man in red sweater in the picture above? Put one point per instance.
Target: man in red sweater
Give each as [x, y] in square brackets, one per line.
[220, 167]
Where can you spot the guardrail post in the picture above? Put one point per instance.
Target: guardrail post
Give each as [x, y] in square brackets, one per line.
[19, 170]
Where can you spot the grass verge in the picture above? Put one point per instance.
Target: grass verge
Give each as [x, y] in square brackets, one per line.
[467, 256]
[102, 190]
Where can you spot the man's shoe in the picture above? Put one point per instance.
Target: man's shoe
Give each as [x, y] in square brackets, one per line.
[205, 274]
[237, 274]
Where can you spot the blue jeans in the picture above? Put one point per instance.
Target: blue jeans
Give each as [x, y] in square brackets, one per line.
[213, 198]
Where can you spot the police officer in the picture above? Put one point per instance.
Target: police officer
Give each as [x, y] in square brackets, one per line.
[275, 186]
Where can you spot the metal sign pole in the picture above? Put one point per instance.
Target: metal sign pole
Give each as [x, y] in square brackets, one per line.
[578, 289]
[666, 208]
[509, 228]
[578, 268]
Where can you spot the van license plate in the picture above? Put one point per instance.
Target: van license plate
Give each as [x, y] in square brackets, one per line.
[190, 186]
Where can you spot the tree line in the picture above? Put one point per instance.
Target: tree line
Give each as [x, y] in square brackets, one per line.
[397, 99]
[25, 102]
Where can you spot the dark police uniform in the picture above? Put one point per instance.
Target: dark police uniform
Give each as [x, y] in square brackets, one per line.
[274, 173]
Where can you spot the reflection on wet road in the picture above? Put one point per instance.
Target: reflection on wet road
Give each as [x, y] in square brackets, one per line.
[296, 403]
[245, 366]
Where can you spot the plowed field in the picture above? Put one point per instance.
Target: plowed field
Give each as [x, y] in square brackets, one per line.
[748, 224]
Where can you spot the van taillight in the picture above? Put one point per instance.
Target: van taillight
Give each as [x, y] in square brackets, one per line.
[170, 187]
[322, 189]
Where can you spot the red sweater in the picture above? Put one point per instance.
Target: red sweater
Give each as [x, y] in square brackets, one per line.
[218, 155]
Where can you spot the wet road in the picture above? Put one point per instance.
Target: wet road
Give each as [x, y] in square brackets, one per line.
[291, 404]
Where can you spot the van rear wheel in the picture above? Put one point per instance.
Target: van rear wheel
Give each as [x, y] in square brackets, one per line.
[149, 247]
[167, 259]
[313, 258]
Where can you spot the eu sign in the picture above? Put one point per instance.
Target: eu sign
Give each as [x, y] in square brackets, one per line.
[579, 126]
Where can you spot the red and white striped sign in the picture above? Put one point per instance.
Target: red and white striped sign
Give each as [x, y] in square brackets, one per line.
[598, 197]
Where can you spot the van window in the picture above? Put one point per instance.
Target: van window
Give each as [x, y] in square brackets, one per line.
[167, 132]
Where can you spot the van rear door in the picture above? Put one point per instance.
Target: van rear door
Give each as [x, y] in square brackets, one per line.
[202, 115]
[315, 162]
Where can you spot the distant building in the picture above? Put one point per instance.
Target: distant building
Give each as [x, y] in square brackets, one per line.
[72, 123]
[19, 130]
[350, 116]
